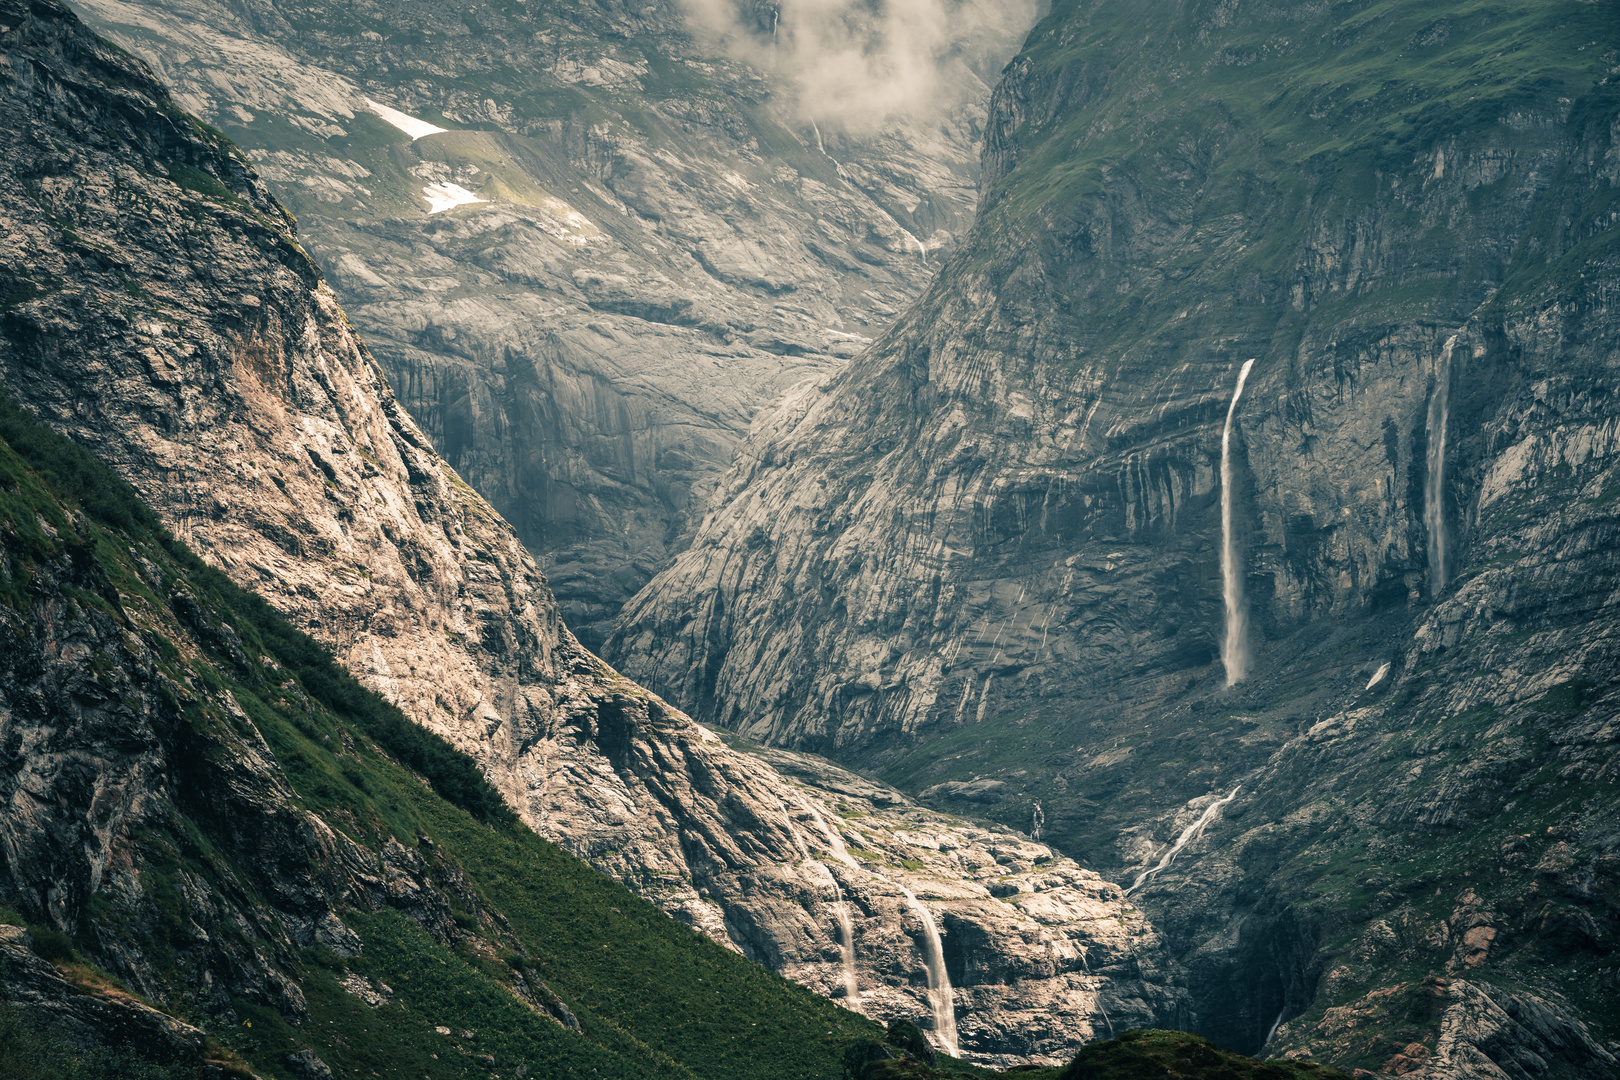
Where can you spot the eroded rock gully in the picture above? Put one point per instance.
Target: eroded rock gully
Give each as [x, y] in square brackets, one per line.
[161, 312]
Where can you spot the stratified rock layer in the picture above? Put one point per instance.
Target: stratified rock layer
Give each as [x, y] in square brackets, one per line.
[160, 310]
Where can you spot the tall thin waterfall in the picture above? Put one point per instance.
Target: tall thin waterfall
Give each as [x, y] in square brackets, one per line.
[846, 951]
[1434, 487]
[1235, 646]
[1188, 835]
[939, 980]
[846, 928]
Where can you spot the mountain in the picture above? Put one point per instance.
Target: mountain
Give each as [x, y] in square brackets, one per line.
[160, 310]
[987, 559]
[663, 241]
[207, 817]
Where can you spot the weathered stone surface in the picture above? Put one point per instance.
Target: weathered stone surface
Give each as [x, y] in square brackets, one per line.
[763, 848]
[40, 992]
[165, 316]
[988, 551]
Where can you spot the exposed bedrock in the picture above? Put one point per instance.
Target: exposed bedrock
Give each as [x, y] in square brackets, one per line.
[661, 244]
[984, 558]
[159, 309]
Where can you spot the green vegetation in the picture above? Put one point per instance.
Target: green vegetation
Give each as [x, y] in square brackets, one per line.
[1176, 1055]
[1246, 131]
[31, 1052]
[653, 997]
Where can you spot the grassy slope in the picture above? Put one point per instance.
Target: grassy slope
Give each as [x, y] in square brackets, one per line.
[1244, 128]
[654, 997]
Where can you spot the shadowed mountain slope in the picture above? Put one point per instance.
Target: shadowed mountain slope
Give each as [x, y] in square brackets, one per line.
[159, 309]
[985, 558]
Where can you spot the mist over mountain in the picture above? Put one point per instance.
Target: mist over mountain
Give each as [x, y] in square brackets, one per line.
[855, 65]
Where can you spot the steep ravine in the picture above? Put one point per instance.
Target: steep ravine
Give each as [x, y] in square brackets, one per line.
[985, 557]
[663, 246]
[158, 308]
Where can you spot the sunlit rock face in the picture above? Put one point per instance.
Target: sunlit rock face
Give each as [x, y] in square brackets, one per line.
[161, 311]
[588, 243]
[984, 559]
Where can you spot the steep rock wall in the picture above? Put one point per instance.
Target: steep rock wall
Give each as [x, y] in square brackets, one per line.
[159, 309]
[664, 244]
[985, 557]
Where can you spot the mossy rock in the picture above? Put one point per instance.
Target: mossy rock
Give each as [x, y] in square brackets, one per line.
[1177, 1055]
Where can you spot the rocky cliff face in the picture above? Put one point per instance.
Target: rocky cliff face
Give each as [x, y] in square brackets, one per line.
[663, 244]
[159, 309]
[986, 556]
[224, 858]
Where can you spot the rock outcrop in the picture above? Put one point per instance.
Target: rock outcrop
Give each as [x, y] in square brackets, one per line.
[160, 310]
[662, 244]
[985, 557]
[224, 858]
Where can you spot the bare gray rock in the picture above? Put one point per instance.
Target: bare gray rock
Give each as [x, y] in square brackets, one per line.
[195, 348]
[663, 244]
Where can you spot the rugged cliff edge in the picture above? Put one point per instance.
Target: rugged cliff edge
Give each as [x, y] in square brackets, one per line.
[158, 308]
[986, 555]
[662, 245]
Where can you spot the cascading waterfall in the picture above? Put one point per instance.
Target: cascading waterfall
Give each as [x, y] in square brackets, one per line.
[846, 927]
[846, 951]
[1188, 835]
[940, 996]
[939, 980]
[1235, 646]
[1275, 1024]
[1434, 486]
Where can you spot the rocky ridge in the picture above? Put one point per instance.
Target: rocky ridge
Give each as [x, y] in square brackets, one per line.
[985, 557]
[218, 863]
[159, 309]
[663, 244]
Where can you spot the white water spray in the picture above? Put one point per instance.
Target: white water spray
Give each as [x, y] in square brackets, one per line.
[1235, 646]
[1275, 1024]
[1434, 486]
[846, 951]
[921, 250]
[1188, 835]
[846, 928]
[939, 980]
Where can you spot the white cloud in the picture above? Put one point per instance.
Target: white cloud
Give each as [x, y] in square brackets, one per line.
[858, 64]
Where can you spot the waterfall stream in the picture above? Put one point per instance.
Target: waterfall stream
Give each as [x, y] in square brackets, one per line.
[940, 997]
[1235, 646]
[939, 980]
[846, 927]
[1434, 485]
[846, 951]
[1188, 835]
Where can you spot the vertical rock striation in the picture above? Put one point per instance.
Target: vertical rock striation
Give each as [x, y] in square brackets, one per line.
[663, 246]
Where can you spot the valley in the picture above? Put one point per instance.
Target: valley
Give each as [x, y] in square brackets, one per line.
[1110, 529]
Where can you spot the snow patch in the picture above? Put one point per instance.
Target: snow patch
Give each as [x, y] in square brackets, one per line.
[442, 197]
[410, 125]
